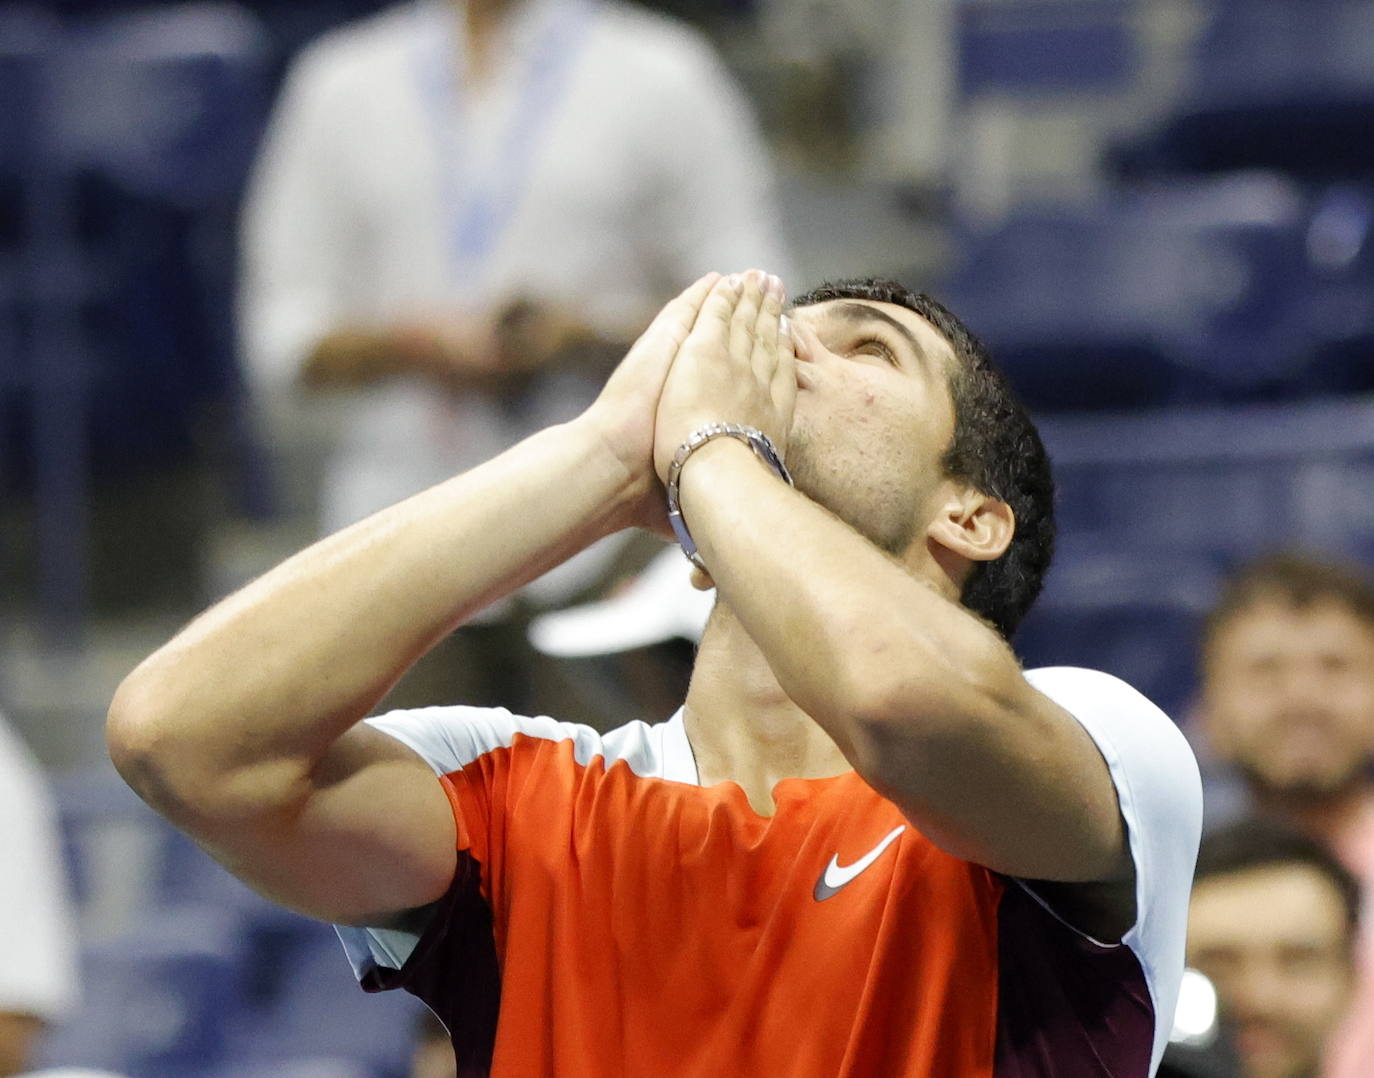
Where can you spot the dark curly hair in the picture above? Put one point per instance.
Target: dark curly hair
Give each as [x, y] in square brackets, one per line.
[995, 447]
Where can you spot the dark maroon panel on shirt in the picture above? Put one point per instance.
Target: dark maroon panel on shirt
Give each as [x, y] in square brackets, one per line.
[455, 972]
[1067, 1007]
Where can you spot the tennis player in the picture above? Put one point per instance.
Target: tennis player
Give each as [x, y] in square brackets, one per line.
[869, 844]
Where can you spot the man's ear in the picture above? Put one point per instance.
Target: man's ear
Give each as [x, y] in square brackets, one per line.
[973, 525]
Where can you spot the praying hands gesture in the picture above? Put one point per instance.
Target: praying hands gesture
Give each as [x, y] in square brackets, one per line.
[721, 352]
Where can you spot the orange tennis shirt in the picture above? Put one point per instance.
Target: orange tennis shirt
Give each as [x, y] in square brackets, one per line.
[611, 917]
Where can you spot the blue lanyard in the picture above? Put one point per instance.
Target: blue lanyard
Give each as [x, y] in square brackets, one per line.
[480, 207]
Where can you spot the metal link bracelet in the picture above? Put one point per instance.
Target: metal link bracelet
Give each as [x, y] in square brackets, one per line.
[760, 443]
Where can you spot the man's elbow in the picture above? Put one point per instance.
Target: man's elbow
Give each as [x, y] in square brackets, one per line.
[165, 756]
[141, 741]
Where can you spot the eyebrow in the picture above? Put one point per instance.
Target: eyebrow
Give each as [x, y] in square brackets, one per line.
[854, 312]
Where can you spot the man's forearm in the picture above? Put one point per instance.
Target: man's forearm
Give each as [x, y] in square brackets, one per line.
[842, 625]
[926, 702]
[281, 669]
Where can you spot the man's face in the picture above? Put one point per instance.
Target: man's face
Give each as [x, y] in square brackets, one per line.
[873, 416]
[1275, 943]
[1289, 697]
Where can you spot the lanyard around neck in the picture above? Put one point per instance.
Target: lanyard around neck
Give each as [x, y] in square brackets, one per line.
[481, 201]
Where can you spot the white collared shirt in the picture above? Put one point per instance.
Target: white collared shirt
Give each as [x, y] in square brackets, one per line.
[644, 169]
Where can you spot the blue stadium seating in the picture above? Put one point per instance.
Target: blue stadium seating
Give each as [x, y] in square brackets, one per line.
[153, 998]
[1338, 309]
[1154, 508]
[123, 147]
[1280, 84]
[282, 992]
[43, 379]
[1050, 47]
[1172, 295]
[1132, 612]
[160, 113]
[306, 1067]
[1230, 482]
[307, 1003]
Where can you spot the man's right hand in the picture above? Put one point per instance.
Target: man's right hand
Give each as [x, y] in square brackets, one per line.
[623, 414]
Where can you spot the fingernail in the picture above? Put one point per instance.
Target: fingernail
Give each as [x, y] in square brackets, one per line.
[785, 326]
[775, 286]
[733, 281]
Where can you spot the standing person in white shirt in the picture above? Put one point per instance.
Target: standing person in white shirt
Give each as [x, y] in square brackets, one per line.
[38, 974]
[459, 198]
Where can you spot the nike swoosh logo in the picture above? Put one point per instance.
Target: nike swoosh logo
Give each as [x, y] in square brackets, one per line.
[836, 876]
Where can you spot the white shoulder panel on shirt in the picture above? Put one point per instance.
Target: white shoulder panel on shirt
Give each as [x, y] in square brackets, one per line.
[450, 738]
[1160, 794]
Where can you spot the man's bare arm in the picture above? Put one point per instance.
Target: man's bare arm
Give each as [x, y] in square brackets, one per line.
[244, 730]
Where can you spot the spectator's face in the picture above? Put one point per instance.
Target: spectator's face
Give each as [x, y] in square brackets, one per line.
[1275, 942]
[1289, 697]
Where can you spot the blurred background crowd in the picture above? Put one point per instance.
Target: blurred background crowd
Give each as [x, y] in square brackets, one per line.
[267, 266]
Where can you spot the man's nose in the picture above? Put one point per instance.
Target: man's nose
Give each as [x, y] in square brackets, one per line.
[805, 343]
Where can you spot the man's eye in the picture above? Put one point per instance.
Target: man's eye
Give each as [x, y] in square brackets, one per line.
[874, 347]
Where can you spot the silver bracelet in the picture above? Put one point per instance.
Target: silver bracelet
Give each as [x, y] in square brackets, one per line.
[760, 443]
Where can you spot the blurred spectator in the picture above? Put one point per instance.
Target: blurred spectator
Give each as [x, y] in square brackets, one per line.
[1272, 924]
[462, 204]
[1288, 705]
[38, 974]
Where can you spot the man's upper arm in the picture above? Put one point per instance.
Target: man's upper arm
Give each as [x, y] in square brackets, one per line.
[1027, 779]
[373, 838]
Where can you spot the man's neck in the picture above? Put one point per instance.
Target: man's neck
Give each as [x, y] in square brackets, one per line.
[742, 726]
[481, 24]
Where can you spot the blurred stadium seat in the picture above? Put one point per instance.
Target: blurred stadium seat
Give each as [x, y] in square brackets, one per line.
[1227, 482]
[1280, 84]
[153, 998]
[159, 113]
[1177, 294]
[1339, 306]
[1050, 46]
[307, 1004]
[292, 1068]
[124, 145]
[282, 994]
[43, 379]
[1132, 612]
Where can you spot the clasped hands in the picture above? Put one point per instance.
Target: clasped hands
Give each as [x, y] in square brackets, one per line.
[721, 352]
